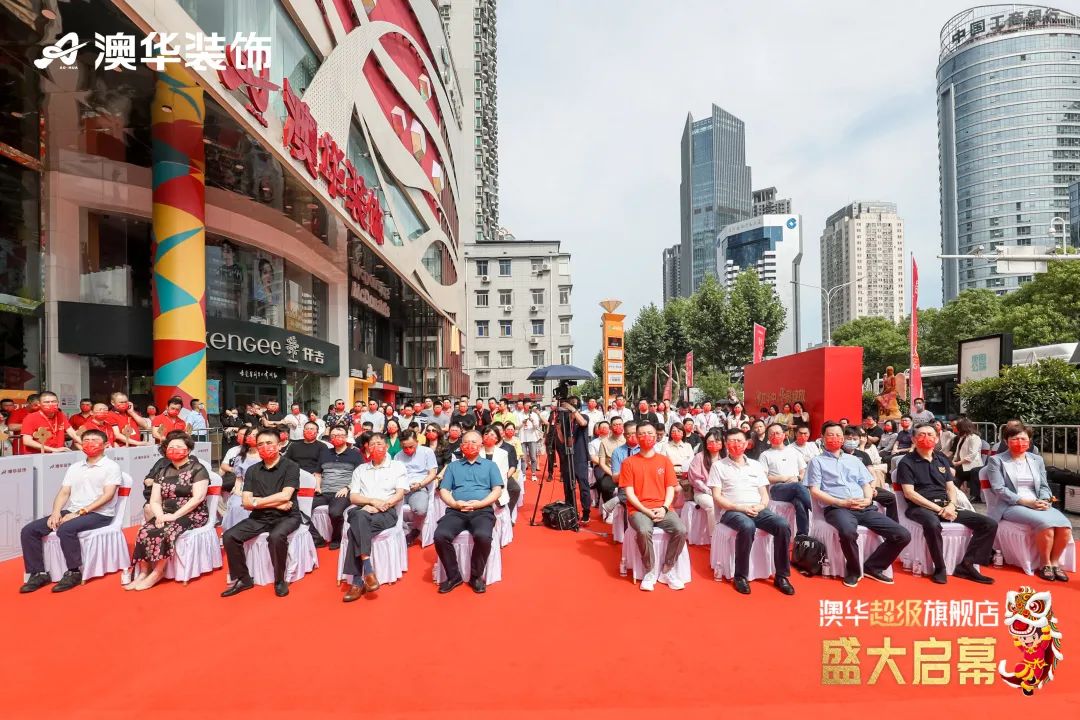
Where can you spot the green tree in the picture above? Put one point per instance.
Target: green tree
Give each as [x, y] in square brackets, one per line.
[1046, 393]
[970, 314]
[884, 343]
[751, 301]
[706, 320]
[593, 388]
[1045, 310]
[714, 385]
[646, 347]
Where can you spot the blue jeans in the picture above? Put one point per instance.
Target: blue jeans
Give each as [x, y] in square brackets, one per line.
[745, 527]
[798, 495]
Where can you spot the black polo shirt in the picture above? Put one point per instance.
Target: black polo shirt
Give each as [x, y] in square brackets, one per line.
[863, 457]
[928, 477]
[875, 432]
[262, 481]
[305, 454]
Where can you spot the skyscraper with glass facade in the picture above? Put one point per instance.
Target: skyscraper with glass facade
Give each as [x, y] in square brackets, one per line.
[714, 192]
[1008, 134]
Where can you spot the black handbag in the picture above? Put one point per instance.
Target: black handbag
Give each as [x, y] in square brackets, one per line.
[559, 516]
[808, 555]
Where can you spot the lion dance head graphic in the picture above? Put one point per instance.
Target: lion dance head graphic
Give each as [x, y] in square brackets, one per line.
[1030, 619]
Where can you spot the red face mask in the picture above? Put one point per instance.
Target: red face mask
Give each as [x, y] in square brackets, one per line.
[378, 453]
[176, 454]
[602, 432]
[92, 446]
[676, 437]
[1018, 445]
[151, 412]
[712, 446]
[470, 452]
[337, 441]
[432, 437]
[174, 411]
[647, 442]
[85, 407]
[489, 441]
[310, 434]
[268, 453]
[250, 441]
[736, 449]
[454, 435]
[410, 451]
[509, 433]
[619, 404]
[49, 411]
[632, 440]
[122, 407]
[925, 442]
[102, 415]
[776, 441]
[832, 444]
[617, 430]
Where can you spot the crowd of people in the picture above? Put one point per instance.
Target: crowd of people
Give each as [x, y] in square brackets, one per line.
[373, 461]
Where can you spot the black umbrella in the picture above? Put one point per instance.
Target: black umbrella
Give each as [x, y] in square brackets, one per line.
[560, 372]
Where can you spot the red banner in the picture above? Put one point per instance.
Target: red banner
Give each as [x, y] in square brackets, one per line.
[759, 343]
[915, 382]
[689, 370]
[667, 385]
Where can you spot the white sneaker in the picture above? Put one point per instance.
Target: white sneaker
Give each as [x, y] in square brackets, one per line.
[675, 584]
[648, 585]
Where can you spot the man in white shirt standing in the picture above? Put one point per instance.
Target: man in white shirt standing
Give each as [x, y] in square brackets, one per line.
[706, 420]
[740, 490]
[373, 416]
[620, 410]
[785, 467]
[377, 489]
[532, 433]
[295, 421]
[86, 501]
[594, 415]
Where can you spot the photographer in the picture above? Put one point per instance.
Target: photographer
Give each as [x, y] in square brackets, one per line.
[568, 434]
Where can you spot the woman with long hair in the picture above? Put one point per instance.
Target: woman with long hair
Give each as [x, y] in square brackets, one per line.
[698, 472]
[393, 441]
[967, 457]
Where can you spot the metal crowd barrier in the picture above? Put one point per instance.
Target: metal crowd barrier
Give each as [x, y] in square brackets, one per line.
[988, 431]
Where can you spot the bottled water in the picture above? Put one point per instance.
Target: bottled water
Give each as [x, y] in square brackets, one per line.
[916, 568]
[825, 565]
[125, 576]
[999, 560]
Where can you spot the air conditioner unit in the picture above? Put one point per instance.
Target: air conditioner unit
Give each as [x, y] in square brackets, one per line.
[546, 267]
[534, 341]
[485, 279]
[533, 308]
[482, 371]
[507, 308]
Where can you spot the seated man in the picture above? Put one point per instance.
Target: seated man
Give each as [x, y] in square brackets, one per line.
[841, 483]
[86, 501]
[336, 466]
[785, 467]
[649, 480]
[270, 488]
[470, 488]
[377, 488]
[420, 469]
[741, 489]
[927, 479]
[882, 495]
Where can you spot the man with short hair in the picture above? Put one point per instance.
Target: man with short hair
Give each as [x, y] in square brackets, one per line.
[532, 434]
[681, 415]
[169, 420]
[461, 413]
[784, 468]
[926, 477]
[336, 466]
[470, 487]
[904, 438]
[593, 414]
[842, 484]
[295, 422]
[481, 415]
[338, 417]
[127, 423]
[804, 447]
[377, 488]
[7, 407]
[196, 419]
[439, 416]
[86, 501]
[421, 466]
[270, 488]
[504, 414]
[620, 410]
[306, 451]
[707, 420]
[645, 414]
[740, 490]
[872, 429]
[649, 481]
[16, 416]
[273, 417]
[86, 409]
[919, 414]
[49, 420]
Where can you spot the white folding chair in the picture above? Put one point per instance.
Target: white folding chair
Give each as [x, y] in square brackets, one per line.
[827, 534]
[1016, 541]
[633, 562]
[198, 550]
[302, 557]
[104, 550]
[389, 552]
[954, 539]
[696, 521]
[617, 518]
[463, 548]
[722, 554]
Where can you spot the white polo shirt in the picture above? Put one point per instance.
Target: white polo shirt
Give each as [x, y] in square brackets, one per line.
[379, 482]
[785, 461]
[87, 482]
[739, 483]
[809, 451]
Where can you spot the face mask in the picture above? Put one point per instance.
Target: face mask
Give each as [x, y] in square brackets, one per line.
[905, 426]
[173, 412]
[925, 443]
[49, 411]
[617, 431]
[250, 442]
[603, 432]
[777, 441]
[647, 442]
[619, 404]
[454, 435]
[310, 434]
[176, 454]
[337, 441]
[122, 407]
[800, 440]
[339, 408]
[676, 438]
[1019, 445]
[432, 437]
[151, 412]
[92, 446]
[101, 415]
[409, 451]
[632, 441]
[489, 441]
[712, 446]
[470, 452]
[392, 431]
[268, 453]
[86, 407]
[832, 444]
[378, 454]
[734, 450]
[850, 445]
[509, 434]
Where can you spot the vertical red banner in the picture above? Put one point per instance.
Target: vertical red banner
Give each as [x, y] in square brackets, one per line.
[759, 343]
[915, 382]
[689, 369]
[667, 385]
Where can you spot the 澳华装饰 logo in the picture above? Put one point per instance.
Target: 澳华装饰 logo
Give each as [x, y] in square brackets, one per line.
[66, 49]
[1029, 617]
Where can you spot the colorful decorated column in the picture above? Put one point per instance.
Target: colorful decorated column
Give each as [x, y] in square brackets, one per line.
[179, 249]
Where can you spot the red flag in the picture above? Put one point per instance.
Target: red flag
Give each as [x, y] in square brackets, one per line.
[667, 385]
[689, 369]
[759, 343]
[915, 382]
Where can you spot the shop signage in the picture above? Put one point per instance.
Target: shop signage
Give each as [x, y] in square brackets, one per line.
[250, 373]
[1028, 17]
[368, 290]
[241, 342]
[117, 51]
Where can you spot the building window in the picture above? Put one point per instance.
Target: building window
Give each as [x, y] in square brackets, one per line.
[537, 264]
[537, 327]
[481, 267]
[506, 297]
[538, 389]
[506, 358]
[504, 268]
[506, 388]
[538, 297]
[566, 355]
[506, 328]
[481, 298]
[564, 326]
[482, 389]
[482, 329]
[564, 267]
[537, 358]
[483, 359]
[564, 296]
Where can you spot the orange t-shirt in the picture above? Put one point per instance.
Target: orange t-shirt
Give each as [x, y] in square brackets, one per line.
[650, 477]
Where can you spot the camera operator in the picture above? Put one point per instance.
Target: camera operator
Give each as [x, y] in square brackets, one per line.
[567, 433]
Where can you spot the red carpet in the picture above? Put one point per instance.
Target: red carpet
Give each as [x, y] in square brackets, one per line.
[562, 633]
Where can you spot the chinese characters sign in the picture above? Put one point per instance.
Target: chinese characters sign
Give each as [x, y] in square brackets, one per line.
[121, 51]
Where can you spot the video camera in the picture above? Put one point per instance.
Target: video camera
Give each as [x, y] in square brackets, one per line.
[562, 391]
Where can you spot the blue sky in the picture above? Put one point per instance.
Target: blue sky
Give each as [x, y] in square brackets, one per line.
[838, 100]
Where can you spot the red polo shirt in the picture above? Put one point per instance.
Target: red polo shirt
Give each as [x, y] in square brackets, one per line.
[58, 425]
[105, 426]
[125, 423]
[168, 423]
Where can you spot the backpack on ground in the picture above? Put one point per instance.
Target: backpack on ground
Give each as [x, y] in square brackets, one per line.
[808, 555]
[559, 516]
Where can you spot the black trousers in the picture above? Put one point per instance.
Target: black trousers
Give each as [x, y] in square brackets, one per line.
[581, 479]
[847, 522]
[363, 526]
[480, 524]
[746, 527]
[34, 532]
[279, 530]
[337, 507]
[605, 485]
[979, 551]
[513, 489]
[887, 500]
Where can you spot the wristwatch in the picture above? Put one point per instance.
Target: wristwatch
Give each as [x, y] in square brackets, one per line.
[254, 502]
[81, 512]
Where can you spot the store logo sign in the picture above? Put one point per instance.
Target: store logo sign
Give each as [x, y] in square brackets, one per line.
[65, 49]
[247, 53]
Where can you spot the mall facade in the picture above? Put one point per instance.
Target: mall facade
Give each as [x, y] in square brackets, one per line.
[237, 234]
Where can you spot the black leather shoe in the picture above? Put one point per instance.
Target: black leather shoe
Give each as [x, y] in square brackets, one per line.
[784, 586]
[35, 582]
[851, 580]
[940, 577]
[411, 538]
[478, 585]
[281, 589]
[741, 586]
[236, 588]
[447, 585]
[71, 579]
[319, 542]
[335, 545]
[968, 572]
[878, 575]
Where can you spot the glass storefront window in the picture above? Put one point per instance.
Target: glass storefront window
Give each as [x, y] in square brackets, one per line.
[305, 302]
[243, 283]
[115, 264]
[20, 238]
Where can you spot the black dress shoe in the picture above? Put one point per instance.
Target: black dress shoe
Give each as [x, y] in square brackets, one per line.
[412, 537]
[784, 586]
[319, 542]
[968, 572]
[281, 589]
[447, 585]
[71, 579]
[939, 577]
[878, 575]
[851, 580]
[479, 585]
[741, 586]
[35, 582]
[236, 588]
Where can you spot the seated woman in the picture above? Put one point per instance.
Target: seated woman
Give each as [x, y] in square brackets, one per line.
[698, 473]
[681, 454]
[154, 472]
[1018, 480]
[178, 503]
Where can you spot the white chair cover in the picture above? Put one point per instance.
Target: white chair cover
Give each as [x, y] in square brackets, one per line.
[826, 533]
[198, 550]
[617, 518]
[463, 547]
[504, 531]
[722, 554]
[1016, 541]
[104, 550]
[320, 518]
[954, 540]
[234, 511]
[633, 562]
[302, 557]
[389, 553]
[696, 521]
[785, 510]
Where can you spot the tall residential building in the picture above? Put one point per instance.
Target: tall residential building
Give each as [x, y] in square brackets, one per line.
[470, 25]
[771, 245]
[766, 202]
[1074, 214]
[1008, 134]
[714, 192]
[672, 276]
[863, 244]
[518, 314]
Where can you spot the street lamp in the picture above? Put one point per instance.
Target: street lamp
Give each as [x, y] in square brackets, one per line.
[827, 295]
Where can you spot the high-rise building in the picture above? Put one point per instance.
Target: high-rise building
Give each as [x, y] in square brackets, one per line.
[672, 276]
[470, 25]
[771, 245]
[862, 249]
[714, 192]
[518, 314]
[766, 202]
[1074, 214]
[1008, 134]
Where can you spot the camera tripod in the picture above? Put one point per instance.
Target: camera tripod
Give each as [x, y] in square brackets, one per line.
[563, 429]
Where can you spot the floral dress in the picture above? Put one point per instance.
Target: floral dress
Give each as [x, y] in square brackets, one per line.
[153, 543]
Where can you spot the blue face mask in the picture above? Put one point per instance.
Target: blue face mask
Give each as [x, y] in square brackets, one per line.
[850, 445]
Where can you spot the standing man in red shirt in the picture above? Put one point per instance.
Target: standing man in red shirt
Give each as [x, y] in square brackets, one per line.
[127, 423]
[85, 410]
[49, 418]
[100, 419]
[18, 415]
[650, 483]
[169, 420]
